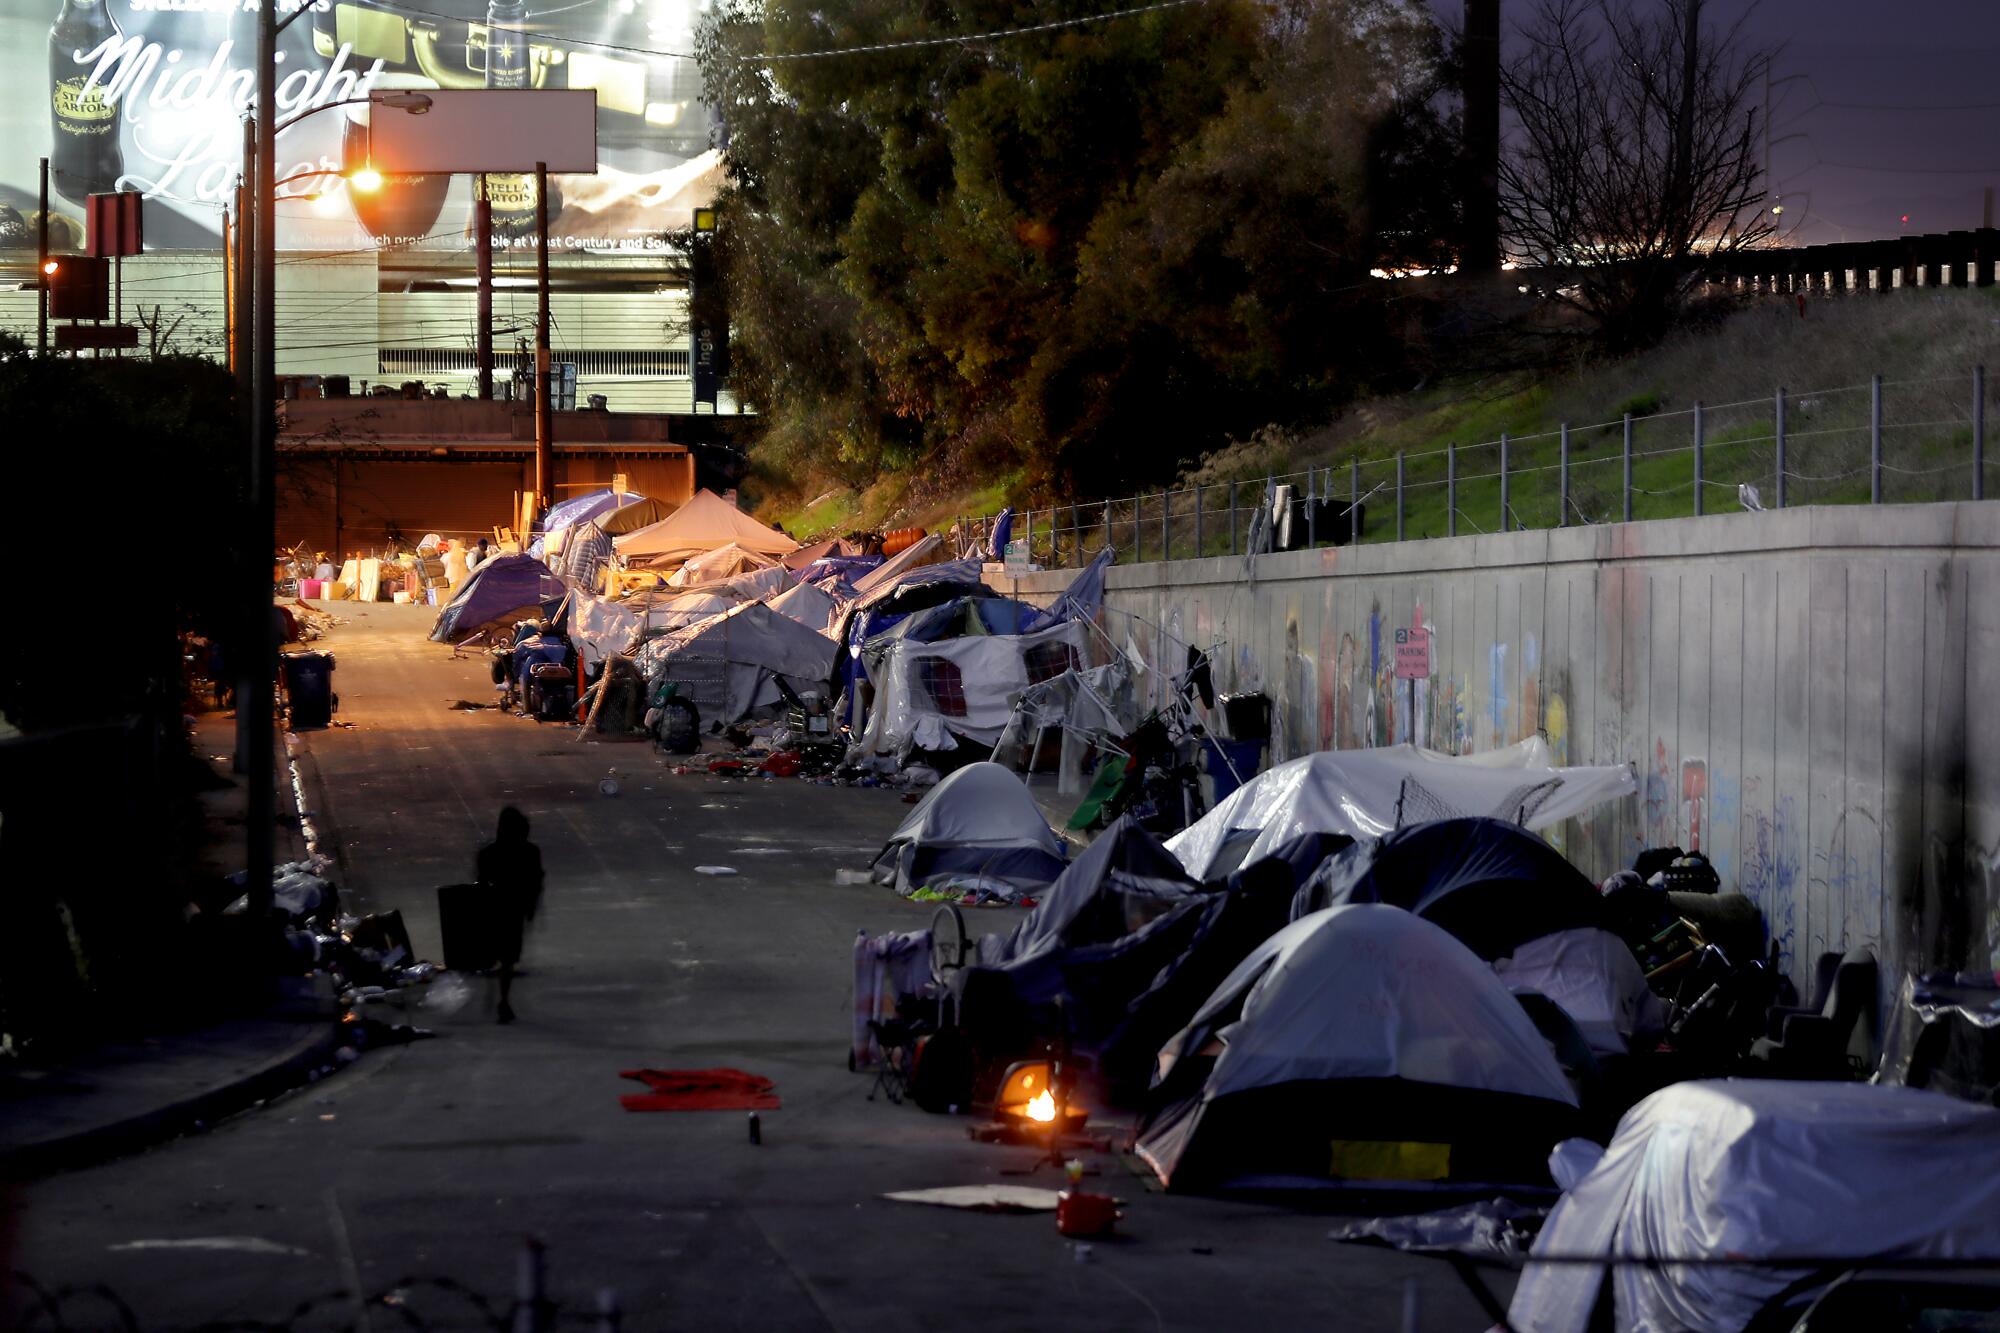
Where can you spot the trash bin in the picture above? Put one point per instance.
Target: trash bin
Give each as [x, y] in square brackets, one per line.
[309, 687]
[1244, 756]
[465, 928]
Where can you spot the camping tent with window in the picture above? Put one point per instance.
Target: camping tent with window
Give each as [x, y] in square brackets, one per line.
[939, 695]
[504, 589]
[979, 825]
[1360, 1043]
[1492, 884]
[1756, 1168]
[702, 524]
[1366, 793]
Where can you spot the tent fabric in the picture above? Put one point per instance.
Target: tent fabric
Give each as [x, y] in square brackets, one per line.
[1367, 793]
[1367, 995]
[1762, 1168]
[979, 822]
[1592, 974]
[905, 562]
[814, 605]
[577, 509]
[717, 566]
[727, 664]
[1124, 879]
[830, 548]
[501, 590]
[932, 695]
[702, 524]
[756, 585]
[601, 627]
[640, 513]
[1492, 884]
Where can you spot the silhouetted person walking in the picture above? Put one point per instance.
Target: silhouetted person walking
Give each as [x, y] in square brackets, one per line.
[510, 870]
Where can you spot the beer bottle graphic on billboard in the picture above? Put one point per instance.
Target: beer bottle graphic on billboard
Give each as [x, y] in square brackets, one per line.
[87, 157]
[507, 66]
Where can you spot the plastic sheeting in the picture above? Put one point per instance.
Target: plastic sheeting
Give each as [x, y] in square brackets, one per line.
[979, 820]
[813, 605]
[1358, 792]
[1594, 977]
[1369, 991]
[1762, 1169]
[702, 524]
[720, 565]
[725, 664]
[928, 693]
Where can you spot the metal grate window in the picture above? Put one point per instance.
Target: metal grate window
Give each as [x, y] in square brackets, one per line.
[665, 362]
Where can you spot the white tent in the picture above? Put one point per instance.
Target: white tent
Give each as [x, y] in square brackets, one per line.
[980, 823]
[727, 664]
[1344, 999]
[811, 604]
[702, 524]
[1366, 793]
[929, 694]
[600, 627]
[1594, 977]
[1759, 1168]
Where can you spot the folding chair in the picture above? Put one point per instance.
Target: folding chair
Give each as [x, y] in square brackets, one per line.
[892, 1074]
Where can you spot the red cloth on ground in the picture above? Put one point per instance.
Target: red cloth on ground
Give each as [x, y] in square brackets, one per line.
[699, 1090]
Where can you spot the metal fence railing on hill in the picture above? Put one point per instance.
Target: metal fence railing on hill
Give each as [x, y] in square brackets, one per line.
[1879, 442]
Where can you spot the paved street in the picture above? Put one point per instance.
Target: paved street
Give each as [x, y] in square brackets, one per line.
[431, 1160]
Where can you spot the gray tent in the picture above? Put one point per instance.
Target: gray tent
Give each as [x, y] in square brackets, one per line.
[730, 665]
[978, 825]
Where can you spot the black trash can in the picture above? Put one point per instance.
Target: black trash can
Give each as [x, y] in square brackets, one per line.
[309, 686]
[465, 927]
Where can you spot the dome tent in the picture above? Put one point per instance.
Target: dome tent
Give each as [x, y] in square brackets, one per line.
[1491, 884]
[1358, 1043]
[504, 589]
[981, 823]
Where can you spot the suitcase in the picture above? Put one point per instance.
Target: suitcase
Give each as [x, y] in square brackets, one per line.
[466, 928]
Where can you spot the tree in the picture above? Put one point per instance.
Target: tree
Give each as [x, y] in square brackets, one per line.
[1634, 149]
[1082, 256]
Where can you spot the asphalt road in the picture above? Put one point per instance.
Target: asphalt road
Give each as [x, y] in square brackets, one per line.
[431, 1161]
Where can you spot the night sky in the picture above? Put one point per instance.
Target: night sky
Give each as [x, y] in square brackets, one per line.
[1932, 161]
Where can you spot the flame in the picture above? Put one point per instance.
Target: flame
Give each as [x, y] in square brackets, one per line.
[1042, 1107]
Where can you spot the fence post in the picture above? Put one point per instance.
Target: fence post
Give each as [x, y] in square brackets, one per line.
[1138, 531]
[1875, 439]
[1197, 521]
[1108, 542]
[1312, 508]
[1354, 505]
[1979, 422]
[1027, 533]
[1627, 506]
[1698, 427]
[1166, 520]
[1504, 505]
[1780, 435]
[1232, 518]
[1451, 490]
[1399, 495]
[1562, 472]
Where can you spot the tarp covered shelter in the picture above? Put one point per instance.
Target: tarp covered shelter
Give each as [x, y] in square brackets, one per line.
[1123, 880]
[601, 627]
[814, 605]
[1358, 1043]
[938, 695]
[980, 823]
[1366, 793]
[588, 548]
[1594, 977]
[1492, 884]
[728, 665]
[720, 565]
[830, 548]
[577, 509]
[702, 524]
[504, 589]
[1762, 1168]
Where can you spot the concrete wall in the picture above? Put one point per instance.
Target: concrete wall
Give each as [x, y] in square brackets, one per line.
[1812, 696]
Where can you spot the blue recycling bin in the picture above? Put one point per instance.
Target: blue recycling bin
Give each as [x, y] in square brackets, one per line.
[309, 688]
[1245, 756]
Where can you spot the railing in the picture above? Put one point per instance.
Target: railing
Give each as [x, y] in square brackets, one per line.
[1880, 442]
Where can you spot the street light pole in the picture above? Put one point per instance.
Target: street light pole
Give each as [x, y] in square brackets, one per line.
[256, 699]
[545, 461]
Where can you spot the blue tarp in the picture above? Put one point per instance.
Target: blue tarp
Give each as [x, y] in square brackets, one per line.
[499, 588]
[578, 508]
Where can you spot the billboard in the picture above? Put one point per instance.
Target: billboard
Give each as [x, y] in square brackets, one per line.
[149, 95]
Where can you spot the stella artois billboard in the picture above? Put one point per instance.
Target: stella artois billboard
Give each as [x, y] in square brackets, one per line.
[149, 95]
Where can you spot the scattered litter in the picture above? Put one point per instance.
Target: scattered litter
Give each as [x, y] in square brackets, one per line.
[852, 877]
[699, 1090]
[1496, 1228]
[608, 787]
[983, 1198]
[448, 994]
[471, 706]
[715, 870]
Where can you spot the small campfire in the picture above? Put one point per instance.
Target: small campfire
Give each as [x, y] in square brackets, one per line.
[1034, 1102]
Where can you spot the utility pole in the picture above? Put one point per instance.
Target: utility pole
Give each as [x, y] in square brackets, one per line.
[229, 350]
[245, 285]
[482, 225]
[256, 693]
[42, 271]
[545, 452]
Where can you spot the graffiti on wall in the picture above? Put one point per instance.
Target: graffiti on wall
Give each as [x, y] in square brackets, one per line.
[1694, 800]
[1771, 866]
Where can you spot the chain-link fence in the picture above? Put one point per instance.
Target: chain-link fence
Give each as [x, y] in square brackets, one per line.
[1882, 442]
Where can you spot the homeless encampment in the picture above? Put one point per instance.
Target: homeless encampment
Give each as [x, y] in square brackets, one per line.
[505, 589]
[702, 524]
[601, 628]
[720, 565]
[1360, 1043]
[979, 828]
[731, 665]
[1366, 793]
[1754, 1169]
[588, 548]
[577, 509]
[814, 605]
